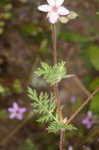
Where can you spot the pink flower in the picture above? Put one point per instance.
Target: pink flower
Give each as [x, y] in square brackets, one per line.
[54, 10]
[16, 111]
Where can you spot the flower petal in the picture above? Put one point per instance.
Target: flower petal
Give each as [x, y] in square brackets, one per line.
[15, 106]
[85, 121]
[22, 110]
[11, 109]
[59, 2]
[88, 125]
[63, 11]
[70, 148]
[44, 8]
[51, 2]
[19, 116]
[53, 17]
[12, 115]
[89, 114]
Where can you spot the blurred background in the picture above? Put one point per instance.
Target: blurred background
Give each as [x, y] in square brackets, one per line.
[25, 41]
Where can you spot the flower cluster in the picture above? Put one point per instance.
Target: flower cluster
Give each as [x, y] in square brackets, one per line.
[16, 111]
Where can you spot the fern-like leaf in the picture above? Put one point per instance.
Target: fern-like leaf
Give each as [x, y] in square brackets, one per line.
[56, 126]
[45, 106]
[53, 74]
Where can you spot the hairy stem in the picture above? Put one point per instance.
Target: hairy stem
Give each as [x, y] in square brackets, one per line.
[62, 133]
[82, 106]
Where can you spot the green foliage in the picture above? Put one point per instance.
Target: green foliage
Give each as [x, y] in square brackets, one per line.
[3, 3]
[5, 13]
[74, 37]
[3, 114]
[28, 145]
[76, 105]
[53, 74]
[45, 106]
[4, 90]
[94, 56]
[92, 29]
[30, 29]
[23, 1]
[94, 105]
[17, 86]
[87, 148]
[94, 84]
[87, 79]
[71, 16]
[43, 46]
[56, 126]
[97, 13]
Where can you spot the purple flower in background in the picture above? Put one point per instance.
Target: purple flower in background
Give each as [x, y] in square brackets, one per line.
[16, 111]
[73, 99]
[70, 148]
[88, 121]
[68, 80]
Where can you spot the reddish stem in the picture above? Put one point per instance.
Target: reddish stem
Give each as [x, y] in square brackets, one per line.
[58, 102]
[62, 133]
[82, 106]
[54, 43]
[56, 85]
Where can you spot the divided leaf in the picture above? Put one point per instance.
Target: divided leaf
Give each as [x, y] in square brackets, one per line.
[56, 126]
[53, 74]
[45, 106]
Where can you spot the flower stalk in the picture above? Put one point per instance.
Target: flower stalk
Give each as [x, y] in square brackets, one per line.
[62, 132]
[56, 85]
